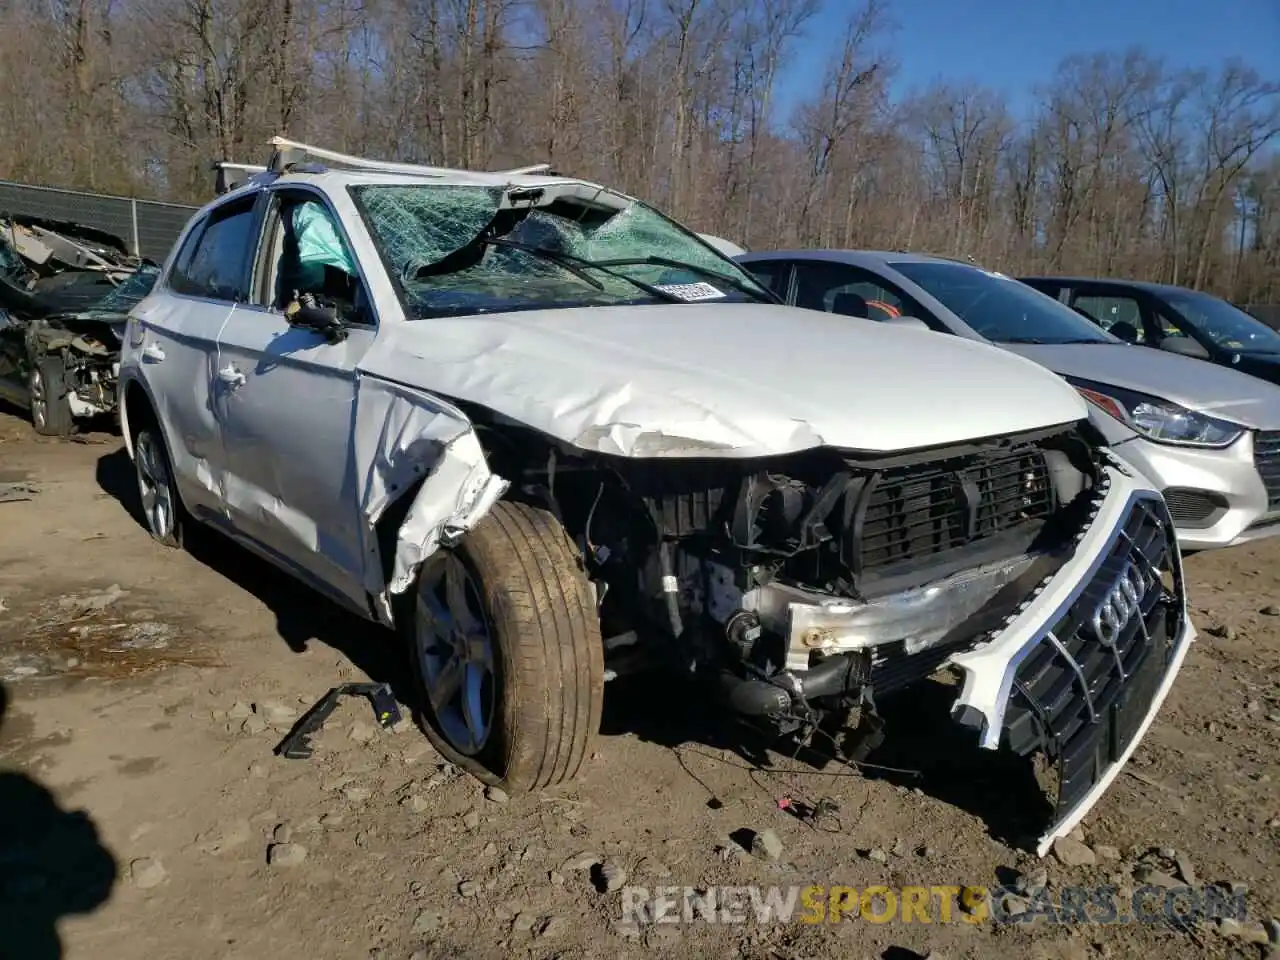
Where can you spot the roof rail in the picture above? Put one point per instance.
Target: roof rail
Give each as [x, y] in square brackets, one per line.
[226, 175]
[291, 152]
[521, 171]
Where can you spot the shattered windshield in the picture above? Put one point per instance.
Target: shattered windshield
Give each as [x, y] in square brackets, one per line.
[11, 265]
[462, 249]
[1000, 308]
[131, 291]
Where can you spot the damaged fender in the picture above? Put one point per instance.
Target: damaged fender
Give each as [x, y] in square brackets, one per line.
[405, 438]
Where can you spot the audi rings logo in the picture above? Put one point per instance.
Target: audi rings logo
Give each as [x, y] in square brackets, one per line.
[1121, 602]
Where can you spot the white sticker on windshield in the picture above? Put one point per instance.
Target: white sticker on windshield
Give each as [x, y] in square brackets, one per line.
[998, 276]
[691, 291]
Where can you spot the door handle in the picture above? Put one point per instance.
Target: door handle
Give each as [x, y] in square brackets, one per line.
[153, 352]
[230, 375]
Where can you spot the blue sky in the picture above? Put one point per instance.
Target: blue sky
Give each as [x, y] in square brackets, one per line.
[1013, 45]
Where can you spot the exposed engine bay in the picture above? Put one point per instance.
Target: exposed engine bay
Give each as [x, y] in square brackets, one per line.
[800, 587]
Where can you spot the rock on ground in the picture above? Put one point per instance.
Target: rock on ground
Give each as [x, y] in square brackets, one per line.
[147, 872]
[1073, 853]
[767, 845]
[286, 854]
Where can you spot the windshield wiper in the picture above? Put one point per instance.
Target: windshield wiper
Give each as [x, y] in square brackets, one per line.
[561, 260]
[577, 265]
[738, 285]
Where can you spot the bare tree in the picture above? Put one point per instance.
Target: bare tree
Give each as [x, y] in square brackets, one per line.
[1122, 165]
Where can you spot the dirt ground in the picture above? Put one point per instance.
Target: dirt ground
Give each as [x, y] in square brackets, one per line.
[144, 690]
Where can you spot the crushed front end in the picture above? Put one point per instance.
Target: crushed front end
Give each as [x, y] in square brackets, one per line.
[88, 346]
[804, 588]
[1078, 673]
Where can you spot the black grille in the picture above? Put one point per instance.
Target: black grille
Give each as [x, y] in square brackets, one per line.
[921, 512]
[1266, 456]
[1194, 509]
[1082, 700]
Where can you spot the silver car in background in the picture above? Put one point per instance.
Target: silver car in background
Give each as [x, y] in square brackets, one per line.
[1207, 436]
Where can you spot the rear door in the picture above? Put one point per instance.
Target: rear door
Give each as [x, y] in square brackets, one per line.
[285, 399]
[1118, 310]
[173, 339]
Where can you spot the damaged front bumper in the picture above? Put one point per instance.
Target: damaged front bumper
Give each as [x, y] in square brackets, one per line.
[1077, 670]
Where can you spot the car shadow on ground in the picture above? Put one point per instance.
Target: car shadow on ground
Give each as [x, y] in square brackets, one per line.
[52, 864]
[302, 615]
[923, 747]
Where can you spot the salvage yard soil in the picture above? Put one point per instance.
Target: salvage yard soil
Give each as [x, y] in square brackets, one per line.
[143, 813]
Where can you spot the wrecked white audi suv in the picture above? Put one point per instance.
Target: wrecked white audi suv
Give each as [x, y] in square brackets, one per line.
[539, 428]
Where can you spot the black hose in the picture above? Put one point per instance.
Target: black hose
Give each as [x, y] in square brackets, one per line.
[672, 596]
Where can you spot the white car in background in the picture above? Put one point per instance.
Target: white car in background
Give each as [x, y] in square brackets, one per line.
[1207, 436]
[539, 428]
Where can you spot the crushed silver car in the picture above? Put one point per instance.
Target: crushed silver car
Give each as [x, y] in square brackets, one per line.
[545, 432]
[65, 294]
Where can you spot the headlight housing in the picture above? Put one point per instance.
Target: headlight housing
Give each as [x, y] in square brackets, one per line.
[1159, 420]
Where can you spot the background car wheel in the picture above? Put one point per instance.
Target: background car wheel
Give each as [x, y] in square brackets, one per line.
[506, 645]
[160, 504]
[47, 392]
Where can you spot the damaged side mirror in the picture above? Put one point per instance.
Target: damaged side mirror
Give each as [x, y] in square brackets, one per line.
[306, 314]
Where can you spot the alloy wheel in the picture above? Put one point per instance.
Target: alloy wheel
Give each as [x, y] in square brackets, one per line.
[455, 656]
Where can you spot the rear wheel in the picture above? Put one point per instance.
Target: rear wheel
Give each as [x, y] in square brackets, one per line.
[506, 646]
[160, 504]
[47, 393]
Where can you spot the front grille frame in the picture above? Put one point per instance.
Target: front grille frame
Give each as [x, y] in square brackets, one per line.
[915, 515]
[1076, 699]
[934, 512]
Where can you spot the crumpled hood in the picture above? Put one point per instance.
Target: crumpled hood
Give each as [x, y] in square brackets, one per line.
[725, 380]
[1192, 383]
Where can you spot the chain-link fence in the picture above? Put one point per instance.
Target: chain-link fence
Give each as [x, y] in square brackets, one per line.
[147, 228]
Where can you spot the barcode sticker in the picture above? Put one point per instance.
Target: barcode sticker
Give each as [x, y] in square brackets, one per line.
[691, 291]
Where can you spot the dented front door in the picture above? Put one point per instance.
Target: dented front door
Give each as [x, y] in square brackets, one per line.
[285, 396]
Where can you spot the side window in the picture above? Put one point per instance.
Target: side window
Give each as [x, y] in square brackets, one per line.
[215, 263]
[1166, 326]
[182, 262]
[308, 256]
[772, 273]
[1117, 314]
[852, 291]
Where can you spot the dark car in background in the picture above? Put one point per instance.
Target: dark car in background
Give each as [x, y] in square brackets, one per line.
[1175, 319]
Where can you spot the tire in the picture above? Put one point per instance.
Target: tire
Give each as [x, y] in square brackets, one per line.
[520, 581]
[162, 510]
[47, 394]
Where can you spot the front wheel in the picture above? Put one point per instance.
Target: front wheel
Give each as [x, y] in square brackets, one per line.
[47, 393]
[507, 652]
